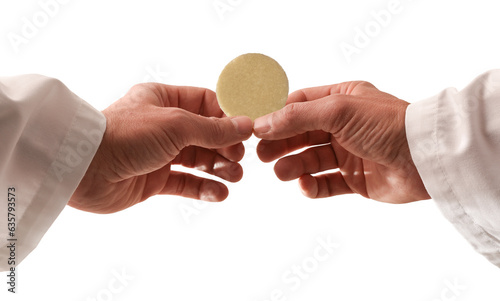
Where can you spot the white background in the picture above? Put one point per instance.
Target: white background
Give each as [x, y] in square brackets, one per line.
[242, 248]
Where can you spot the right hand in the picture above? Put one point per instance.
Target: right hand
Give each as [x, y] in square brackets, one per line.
[352, 127]
[151, 128]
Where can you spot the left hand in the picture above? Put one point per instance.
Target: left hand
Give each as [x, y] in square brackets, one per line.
[352, 130]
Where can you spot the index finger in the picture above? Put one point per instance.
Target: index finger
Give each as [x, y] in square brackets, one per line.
[310, 94]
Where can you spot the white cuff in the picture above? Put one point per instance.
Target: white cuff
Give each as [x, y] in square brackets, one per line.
[453, 139]
[51, 137]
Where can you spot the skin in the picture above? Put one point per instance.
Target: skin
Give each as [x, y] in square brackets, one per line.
[354, 135]
[151, 128]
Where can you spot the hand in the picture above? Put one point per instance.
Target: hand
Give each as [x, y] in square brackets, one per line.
[148, 130]
[352, 127]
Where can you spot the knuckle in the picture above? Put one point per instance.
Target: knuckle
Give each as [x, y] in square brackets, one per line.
[216, 131]
[364, 84]
[177, 114]
[285, 117]
[338, 111]
[137, 88]
[139, 92]
[175, 127]
[339, 105]
[356, 87]
[290, 110]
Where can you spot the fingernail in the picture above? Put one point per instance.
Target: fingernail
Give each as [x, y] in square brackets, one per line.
[261, 125]
[210, 192]
[223, 175]
[262, 145]
[231, 172]
[242, 124]
[240, 150]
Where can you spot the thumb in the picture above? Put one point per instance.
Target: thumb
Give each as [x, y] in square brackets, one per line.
[212, 132]
[327, 114]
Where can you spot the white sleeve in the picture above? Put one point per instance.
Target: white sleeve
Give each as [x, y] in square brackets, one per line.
[454, 140]
[48, 138]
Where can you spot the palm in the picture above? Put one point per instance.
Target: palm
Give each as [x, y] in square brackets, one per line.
[372, 180]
